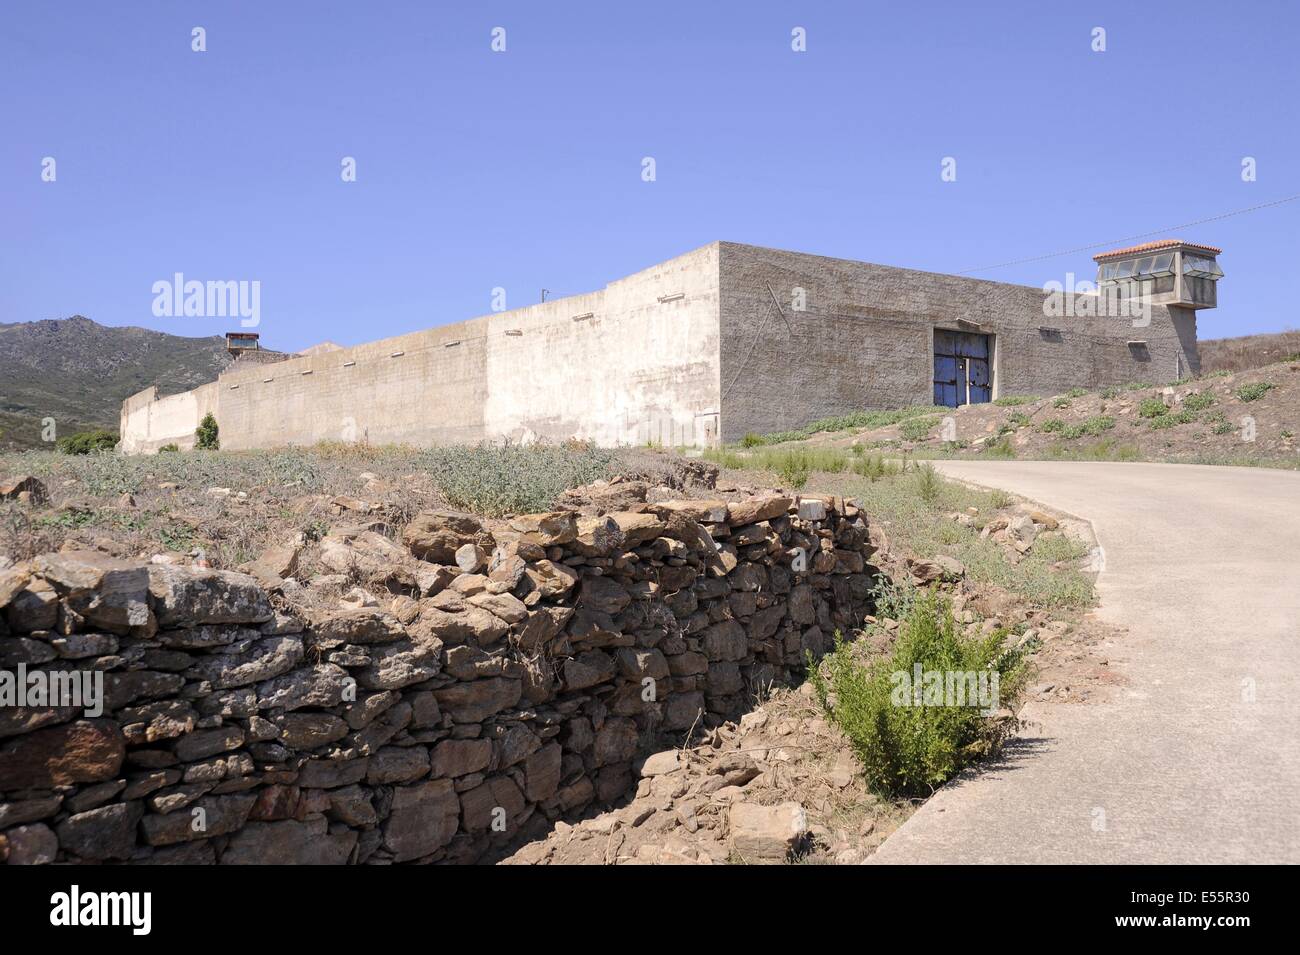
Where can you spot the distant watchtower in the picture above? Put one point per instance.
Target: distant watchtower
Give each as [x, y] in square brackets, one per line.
[241, 343]
[1170, 272]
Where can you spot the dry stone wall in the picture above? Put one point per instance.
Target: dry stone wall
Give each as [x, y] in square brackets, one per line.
[515, 677]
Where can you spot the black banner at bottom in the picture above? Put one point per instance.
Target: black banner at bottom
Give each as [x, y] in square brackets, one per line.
[137, 905]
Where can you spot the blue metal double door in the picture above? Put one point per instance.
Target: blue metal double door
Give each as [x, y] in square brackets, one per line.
[961, 368]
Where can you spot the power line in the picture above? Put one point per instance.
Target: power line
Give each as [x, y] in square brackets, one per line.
[1132, 238]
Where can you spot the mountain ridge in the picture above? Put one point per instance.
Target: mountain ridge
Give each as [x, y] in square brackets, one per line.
[78, 372]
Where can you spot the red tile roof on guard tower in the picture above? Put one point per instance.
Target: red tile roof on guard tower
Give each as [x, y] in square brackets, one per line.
[1153, 247]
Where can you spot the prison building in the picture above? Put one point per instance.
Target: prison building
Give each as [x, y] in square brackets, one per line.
[702, 349]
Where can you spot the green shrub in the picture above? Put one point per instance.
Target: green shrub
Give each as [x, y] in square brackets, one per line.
[916, 429]
[1139, 386]
[206, 434]
[513, 479]
[1051, 425]
[169, 449]
[1001, 448]
[928, 483]
[1076, 392]
[793, 468]
[1106, 449]
[1170, 420]
[1018, 419]
[793, 464]
[1152, 408]
[909, 747]
[1061, 402]
[894, 598]
[873, 467]
[1109, 393]
[1223, 427]
[1254, 392]
[1011, 401]
[84, 442]
[751, 440]
[1092, 426]
[1198, 401]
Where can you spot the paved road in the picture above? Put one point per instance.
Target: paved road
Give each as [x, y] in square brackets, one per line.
[1184, 765]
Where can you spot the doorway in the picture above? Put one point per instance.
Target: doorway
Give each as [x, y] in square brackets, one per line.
[961, 368]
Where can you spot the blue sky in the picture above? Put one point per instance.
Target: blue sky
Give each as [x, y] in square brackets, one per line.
[522, 169]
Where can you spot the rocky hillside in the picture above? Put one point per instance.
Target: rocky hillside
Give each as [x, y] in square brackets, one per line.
[1244, 418]
[78, 372]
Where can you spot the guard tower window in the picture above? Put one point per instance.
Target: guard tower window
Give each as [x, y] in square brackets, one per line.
[1169, 272]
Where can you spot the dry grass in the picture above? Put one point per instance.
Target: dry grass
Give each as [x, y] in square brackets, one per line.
[1248, 351]
[233, 505]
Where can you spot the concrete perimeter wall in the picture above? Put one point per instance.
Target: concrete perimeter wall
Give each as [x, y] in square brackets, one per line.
[149, 422]
[866, 339]
[634, 369]
[683, 353]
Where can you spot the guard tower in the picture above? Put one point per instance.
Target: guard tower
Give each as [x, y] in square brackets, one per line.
[241, 343]
[1167, 272]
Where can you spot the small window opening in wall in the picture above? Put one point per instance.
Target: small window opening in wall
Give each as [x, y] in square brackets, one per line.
[1139, 351]
[583, 317]
[671, 298]
[1050, 334]
[397, 354]
[513, 332]
[348, 364]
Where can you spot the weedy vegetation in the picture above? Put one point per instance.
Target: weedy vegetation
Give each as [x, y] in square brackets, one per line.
[908, 749]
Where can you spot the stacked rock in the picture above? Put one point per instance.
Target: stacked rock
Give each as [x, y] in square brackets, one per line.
[513, 678]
